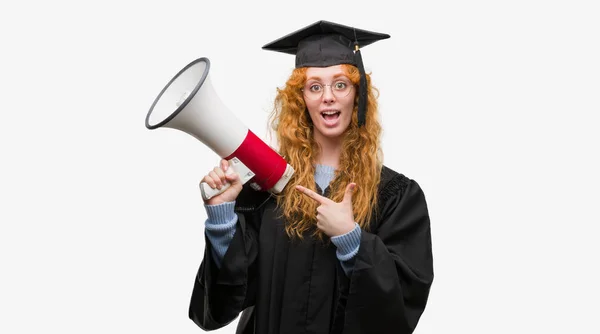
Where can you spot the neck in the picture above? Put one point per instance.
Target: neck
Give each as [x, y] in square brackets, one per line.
[331, 150]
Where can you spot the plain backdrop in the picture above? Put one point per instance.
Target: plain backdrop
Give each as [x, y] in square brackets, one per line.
[491, 106]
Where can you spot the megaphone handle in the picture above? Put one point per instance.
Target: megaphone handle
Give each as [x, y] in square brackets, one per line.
[208, 192]
[235, 165]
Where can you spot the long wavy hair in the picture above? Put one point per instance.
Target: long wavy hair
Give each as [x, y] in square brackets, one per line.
[360, 161]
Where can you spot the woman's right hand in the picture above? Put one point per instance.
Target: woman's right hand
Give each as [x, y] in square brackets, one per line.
[217, 178]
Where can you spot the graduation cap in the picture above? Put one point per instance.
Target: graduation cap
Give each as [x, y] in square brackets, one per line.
[325, 43]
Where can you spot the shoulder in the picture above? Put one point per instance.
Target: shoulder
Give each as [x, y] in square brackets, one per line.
[395, 187]
[392, 183]
[399, 195]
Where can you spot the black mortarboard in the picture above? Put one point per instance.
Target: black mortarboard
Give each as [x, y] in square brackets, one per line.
[323, 44]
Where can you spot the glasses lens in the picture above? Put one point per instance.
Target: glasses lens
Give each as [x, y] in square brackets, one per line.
[339, 88]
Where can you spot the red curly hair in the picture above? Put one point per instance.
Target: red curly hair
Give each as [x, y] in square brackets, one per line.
[360, 161]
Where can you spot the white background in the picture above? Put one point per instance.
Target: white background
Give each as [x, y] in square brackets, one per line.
[491, 106]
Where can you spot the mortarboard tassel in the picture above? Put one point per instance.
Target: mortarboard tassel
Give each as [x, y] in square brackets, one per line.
[362, 88]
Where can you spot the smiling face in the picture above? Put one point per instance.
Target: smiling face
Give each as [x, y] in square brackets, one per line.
[329, 97]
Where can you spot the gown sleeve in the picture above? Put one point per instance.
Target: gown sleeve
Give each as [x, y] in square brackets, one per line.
[393, 270]
[220, 294]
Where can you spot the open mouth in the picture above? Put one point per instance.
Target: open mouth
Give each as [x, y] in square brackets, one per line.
[330, 115]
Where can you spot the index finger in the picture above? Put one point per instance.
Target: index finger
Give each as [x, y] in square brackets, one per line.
[312, 194]
[224, 164]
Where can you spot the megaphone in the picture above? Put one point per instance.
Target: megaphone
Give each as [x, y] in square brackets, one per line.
[190, 104]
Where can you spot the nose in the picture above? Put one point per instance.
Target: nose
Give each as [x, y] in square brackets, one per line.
[328, 96]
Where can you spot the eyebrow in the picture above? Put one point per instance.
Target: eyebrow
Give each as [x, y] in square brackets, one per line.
[335, 76]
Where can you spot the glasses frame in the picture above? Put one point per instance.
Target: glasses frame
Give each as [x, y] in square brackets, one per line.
[333, 91]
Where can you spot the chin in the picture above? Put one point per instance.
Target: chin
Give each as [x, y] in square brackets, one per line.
[332, 133]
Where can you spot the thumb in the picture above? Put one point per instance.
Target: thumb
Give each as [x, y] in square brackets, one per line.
[349, 191]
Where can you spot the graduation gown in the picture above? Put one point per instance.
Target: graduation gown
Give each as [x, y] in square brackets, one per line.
[288, 286]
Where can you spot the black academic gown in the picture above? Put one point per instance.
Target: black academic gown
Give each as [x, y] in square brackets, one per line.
[285, 286]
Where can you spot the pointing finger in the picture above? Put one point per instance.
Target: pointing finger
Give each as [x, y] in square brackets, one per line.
[320, 199]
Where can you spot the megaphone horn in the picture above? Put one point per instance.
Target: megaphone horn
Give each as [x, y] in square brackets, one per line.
[190, 104]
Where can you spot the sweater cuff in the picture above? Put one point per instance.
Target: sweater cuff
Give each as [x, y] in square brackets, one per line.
[220, 216]
[347, 244]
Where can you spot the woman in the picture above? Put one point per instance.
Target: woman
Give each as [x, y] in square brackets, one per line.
[346, 247]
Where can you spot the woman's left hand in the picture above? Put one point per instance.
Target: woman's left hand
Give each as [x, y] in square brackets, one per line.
[333, 218]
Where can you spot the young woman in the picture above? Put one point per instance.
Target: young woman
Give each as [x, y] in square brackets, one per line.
[346, 247]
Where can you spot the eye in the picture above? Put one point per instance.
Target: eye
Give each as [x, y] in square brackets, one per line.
[340, 85]
[315, 88]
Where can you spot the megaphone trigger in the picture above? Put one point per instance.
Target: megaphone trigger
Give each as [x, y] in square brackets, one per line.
[235, 165]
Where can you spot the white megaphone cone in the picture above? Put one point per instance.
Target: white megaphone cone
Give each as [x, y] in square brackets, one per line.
[189, 103]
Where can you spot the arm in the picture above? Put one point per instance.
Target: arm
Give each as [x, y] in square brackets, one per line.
[220, 228]
[225, 282]
[221, 292]
[393, 270]
[347, 247]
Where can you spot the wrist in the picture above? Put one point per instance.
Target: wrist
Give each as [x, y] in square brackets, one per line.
[348, 244]
[347, 228]
[220, 213]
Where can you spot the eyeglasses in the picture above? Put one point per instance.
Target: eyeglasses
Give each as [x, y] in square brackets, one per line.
[340, 88]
